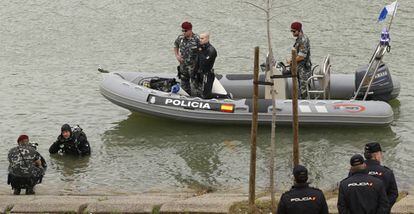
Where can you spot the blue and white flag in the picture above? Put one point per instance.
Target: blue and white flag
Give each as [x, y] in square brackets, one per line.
[389, 9]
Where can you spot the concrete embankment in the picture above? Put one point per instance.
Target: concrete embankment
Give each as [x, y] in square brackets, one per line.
[147, 203]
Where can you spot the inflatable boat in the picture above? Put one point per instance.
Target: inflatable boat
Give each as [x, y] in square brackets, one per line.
[329, 98]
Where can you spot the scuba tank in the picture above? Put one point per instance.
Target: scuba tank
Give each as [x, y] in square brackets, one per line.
[176, 89]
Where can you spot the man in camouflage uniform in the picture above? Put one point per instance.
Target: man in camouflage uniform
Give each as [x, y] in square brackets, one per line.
[302, 46]
[26, 167]
[185, 49]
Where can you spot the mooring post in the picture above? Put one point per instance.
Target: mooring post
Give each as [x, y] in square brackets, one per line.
[295, 124]
[253, 138]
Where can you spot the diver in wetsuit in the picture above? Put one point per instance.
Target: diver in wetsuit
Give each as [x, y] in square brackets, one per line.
[204, 67]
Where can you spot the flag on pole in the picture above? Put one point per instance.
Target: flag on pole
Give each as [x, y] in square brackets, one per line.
[389, 9]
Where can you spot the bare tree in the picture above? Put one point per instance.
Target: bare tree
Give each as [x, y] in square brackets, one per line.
[270, 90]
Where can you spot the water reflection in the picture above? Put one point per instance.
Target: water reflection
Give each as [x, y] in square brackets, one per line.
[203, 155]
[396, 104]
[194, 150]
[69, 166]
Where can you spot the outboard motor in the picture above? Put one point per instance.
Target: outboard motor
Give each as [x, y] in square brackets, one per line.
[381, 87]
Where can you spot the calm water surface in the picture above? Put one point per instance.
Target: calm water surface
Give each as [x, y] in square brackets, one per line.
[50, 52]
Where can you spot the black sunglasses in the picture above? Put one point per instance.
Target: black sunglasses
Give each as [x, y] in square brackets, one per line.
[293, 31]
[184, 30]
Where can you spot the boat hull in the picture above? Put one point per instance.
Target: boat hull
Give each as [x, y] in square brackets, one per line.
[122, 89]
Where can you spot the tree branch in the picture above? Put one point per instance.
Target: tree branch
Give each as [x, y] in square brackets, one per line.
[288, 4]
[255, 6]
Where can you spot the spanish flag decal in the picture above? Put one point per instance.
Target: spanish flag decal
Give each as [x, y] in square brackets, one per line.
[229, 108]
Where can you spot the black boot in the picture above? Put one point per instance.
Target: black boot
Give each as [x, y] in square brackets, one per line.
[30, 191]
[16, 191]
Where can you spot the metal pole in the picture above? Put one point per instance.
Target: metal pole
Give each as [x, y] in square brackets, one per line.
[365, 76]
[252, 178]
[295, 109]
[372, 58]
[373, 76]
[392, 17]
[381, 51]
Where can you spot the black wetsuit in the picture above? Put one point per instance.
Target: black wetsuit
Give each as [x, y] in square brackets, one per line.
[204, 68]
[76, 144]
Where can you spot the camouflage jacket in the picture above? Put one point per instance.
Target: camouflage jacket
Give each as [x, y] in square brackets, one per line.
[302, 46]
[21, 159]
[188, 47]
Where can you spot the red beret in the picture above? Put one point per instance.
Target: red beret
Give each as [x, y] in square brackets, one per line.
[187, 26]
[296, 26]
[22, 137]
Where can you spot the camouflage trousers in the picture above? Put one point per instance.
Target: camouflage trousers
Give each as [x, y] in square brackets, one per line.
[189, 80]
[304, 75]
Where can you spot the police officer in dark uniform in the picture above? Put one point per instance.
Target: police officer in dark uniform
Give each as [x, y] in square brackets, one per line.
[71, 142]
[204, 66]
[360, 192]
[373, 156]
[302, 198]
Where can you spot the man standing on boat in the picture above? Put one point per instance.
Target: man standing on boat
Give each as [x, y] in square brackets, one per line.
[302, 198]
[185, 49]
[204, 67]
[360, 192]
[373, 156]
[302, 46]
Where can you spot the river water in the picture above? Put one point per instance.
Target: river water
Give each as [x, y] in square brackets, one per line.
[50, 52]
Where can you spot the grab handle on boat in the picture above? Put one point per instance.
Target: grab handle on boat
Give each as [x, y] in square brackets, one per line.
[284, 76]
[262, 83]
[103, 70]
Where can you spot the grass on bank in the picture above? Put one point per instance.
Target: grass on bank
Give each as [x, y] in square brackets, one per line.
[265, 206]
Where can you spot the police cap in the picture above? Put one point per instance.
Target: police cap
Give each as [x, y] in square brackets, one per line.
[356, 160]
[372, 147]
[300, 173]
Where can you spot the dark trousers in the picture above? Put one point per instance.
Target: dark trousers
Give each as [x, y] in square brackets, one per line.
[208, 80]
[23, 182]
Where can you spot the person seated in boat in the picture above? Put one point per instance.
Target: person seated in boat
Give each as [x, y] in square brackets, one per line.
[70, 141]
[185, 50]
[26, 166]
[203, 70]
[303, 58]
